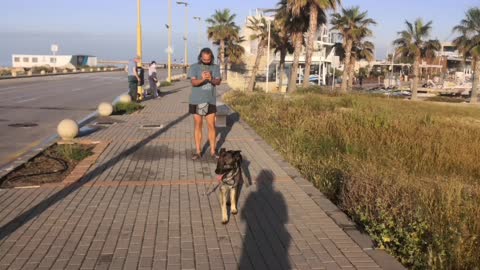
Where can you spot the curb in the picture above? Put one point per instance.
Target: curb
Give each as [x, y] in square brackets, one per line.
[24, 158]
[363, 240]
[52, 74]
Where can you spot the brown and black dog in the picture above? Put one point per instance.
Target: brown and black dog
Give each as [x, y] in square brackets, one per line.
[229, 172]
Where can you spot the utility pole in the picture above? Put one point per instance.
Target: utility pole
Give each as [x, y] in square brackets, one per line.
[185, 37]
[139, 46]
[199, 31]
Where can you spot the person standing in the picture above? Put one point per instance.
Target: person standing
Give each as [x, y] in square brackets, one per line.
[205, 76]
[153, 80]
[133, 77]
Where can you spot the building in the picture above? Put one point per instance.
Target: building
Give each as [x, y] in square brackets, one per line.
[57, 61]
[323, 58]
[452, 60]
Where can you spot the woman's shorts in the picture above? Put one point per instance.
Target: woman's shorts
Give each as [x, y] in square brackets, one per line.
[192, 108]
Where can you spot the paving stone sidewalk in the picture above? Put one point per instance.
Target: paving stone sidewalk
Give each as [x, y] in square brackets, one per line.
[144, 205]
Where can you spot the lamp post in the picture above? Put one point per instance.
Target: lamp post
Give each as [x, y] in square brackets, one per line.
[268, 53]
[54, 49]
[185, 38]
[169, 49]
[139, 46]
[199, 31]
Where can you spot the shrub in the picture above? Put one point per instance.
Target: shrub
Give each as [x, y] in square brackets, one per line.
[407, 172]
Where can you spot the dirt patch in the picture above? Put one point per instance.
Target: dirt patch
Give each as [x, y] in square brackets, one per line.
[53, 165]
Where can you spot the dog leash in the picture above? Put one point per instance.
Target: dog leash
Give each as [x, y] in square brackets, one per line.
[219, 183]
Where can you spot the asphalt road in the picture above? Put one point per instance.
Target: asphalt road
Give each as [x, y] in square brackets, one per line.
[45, 101]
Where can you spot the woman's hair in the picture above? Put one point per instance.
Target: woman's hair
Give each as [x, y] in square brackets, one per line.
[153, 62]
[206, 51]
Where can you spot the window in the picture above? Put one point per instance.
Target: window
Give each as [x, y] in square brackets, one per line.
[34, 60]
[25, 59]
[16, 59]
[53, 60]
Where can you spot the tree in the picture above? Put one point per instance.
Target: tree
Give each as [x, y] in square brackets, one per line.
[234, 51]
[317, 17]
[296, 25]
[414, 44]
[360, 50]
[222, 29]
[260, 33]
[352, 25]
[281, 41]
[468, 43]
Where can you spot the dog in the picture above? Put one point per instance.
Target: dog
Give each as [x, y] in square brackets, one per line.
[229, 173]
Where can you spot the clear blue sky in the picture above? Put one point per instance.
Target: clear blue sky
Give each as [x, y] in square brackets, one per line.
[107, 28]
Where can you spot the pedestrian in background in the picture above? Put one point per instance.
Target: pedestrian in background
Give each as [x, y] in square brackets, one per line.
[153, 80]
[133, 77]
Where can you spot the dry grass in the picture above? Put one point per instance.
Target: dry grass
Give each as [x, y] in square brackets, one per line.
[407, 171]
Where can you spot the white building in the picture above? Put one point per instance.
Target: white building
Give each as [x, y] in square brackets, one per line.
[57, 61]
[323, 58]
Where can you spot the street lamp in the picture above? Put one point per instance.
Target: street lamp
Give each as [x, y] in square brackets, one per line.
[169, 49]
[54, 49]
[186, 32]
[268, 53]
[199, 31]
[139, 46]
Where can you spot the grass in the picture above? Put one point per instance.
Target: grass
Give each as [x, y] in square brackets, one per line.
[447, 99]
[74, 152]
[408, 172]
[165, 83]
[126, 108]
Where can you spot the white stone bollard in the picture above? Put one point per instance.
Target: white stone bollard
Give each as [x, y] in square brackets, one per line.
[67, 129]
[105, 109]
[125, 98]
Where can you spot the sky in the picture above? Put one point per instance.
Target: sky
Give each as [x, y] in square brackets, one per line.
[107, 28]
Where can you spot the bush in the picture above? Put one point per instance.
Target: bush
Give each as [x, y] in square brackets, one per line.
[38, 70]
[408, 172]
[164, 84]
[74, 151]
[5, 72]
[126, 108]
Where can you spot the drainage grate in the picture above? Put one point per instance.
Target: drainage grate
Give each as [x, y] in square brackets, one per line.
[154, 126]
[23, 125]
[104, 123]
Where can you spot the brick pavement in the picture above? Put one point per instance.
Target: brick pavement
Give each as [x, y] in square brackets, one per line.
[143, 206]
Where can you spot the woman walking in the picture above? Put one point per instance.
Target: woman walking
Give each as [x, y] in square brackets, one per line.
[152, 79]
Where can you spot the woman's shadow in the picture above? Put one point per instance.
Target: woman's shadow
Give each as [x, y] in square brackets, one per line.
[265, 213]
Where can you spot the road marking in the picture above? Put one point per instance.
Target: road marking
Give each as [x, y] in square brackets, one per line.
[26, 100]
[77, 89]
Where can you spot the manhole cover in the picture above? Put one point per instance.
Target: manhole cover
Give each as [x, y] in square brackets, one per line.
[152, 126]
[23, 125]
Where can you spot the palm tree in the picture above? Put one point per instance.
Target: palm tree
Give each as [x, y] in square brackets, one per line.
[317, 17]
[260, 33]
[222, 28]
[281, 43]
[282, 39]
[234, 51]
[352, 25]
[360, 50]
[468, 43]
[413, 43]
[296, 25]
